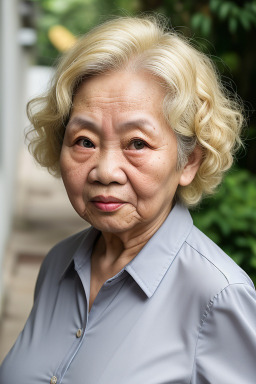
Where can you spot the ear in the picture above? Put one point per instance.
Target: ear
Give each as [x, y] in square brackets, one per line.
[191, 168]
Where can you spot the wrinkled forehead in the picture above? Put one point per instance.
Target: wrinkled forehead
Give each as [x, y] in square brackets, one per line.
[119, 89]
[90, 103]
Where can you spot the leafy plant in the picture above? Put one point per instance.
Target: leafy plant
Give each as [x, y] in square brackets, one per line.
[236, 15]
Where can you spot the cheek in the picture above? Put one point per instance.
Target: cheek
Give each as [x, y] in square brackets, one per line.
[154, 179]
[72, 175]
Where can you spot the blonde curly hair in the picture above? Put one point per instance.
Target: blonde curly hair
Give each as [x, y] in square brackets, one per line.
[196, 106]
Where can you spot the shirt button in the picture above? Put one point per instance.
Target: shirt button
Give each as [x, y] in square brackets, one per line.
[54, 380]
[79, 333]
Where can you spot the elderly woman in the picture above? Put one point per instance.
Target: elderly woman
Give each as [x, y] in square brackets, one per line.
[139, 127]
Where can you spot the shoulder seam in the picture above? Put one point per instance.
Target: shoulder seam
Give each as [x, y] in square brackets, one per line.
[211, 302]
[208, 309]
[196, 250]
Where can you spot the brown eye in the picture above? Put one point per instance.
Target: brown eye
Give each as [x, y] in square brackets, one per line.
[138, 144]
[86, 143]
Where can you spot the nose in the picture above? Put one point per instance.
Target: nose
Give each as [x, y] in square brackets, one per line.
[108, 168]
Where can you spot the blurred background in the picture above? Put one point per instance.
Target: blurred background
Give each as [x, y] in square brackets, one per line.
[34, 210]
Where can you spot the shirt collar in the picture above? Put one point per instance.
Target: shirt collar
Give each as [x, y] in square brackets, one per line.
[152, 262]
[83, 251]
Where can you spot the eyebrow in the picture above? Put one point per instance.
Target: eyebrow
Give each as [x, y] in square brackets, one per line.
[139, 123]
[77, 123]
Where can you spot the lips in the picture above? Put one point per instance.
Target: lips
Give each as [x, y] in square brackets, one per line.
[107, 203]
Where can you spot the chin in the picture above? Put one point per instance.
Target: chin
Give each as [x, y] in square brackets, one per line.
[110, 227]
[110, 224]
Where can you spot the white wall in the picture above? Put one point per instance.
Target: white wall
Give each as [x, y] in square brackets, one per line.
[11, 86]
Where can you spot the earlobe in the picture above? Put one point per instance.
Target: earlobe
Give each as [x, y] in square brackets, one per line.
[191, 168]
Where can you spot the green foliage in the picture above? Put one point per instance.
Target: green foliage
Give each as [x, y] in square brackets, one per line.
[244, 15]
[201, 22]
[229, 218]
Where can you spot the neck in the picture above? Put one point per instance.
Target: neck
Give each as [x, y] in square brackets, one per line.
[118, 249]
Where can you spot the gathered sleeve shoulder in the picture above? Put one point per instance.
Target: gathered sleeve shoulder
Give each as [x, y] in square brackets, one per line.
[226, 345]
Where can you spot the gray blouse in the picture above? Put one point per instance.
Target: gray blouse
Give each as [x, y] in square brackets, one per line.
[180, 312]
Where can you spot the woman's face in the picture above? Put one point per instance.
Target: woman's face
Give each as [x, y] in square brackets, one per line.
[119, 156]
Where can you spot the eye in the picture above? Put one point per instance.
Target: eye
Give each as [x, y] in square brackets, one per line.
[137, 144]
[84, 142]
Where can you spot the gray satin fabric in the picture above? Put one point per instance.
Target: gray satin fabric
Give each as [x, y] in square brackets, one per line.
[181, 312]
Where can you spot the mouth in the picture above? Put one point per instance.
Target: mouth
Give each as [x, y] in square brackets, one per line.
[107, 203]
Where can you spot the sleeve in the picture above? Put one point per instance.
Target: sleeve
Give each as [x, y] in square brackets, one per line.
[226, 346]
